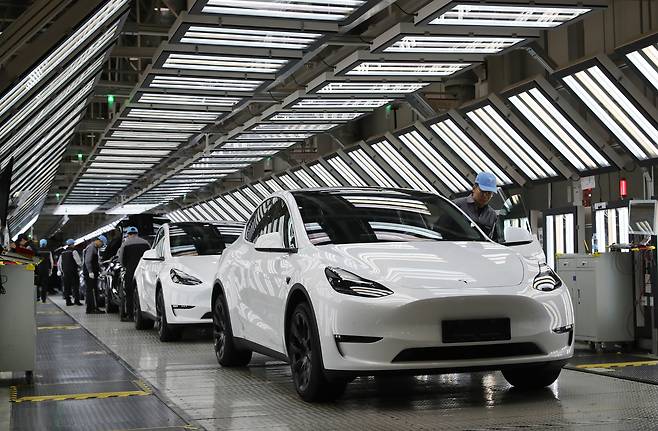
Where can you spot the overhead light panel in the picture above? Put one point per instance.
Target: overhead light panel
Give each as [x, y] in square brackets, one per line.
[645, 61]
[629, 122]
[205, 83]
[305, 178]
[371, 87]
[371, 168]
[325, 10]
[191, 100]
[346, 172]
[161, 114]
[356, 103]
[243, 37]
[399, 164]
[220, 63]
[130, 209]
[289, 182]
[324, 175]
[74, 209]
[316, 116]
[257, 145]
[405, 68]
[151, 125]
[273, 136]
[435, 162]
[161, 136]
[304, 127]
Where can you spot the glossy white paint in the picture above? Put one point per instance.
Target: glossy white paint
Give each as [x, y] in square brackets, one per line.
[432, 281]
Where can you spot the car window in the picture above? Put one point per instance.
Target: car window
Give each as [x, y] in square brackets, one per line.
[198, 239]
[158, 236]
[159, 246]
[259, 221]
[352, 216]
[279, 220]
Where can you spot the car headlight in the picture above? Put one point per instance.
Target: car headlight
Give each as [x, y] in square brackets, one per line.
[180, 277]
[547, 280]
[351, 284]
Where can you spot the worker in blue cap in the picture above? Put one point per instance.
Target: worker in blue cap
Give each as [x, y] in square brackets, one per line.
[91, 269]
[476, 205]
[129, 255]
[68, 267]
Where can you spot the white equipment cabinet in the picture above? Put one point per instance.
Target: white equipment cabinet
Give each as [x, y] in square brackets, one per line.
[601, 288]
[18, 328]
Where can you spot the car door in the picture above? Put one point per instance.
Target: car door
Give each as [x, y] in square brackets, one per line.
[151, 272]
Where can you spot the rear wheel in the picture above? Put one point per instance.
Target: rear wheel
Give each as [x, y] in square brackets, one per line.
[166, 332]
[305, 358]
[533, 377]
[141, 322]
[228, 355]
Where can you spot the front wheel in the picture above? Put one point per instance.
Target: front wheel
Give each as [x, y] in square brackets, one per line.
[228, 355]
[306, 360]
[533, 377]
[166, 332]
[141, 322]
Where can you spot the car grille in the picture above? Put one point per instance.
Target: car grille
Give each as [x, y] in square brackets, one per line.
[453, 353]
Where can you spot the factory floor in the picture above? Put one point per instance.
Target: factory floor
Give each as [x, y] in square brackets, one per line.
[179, 386]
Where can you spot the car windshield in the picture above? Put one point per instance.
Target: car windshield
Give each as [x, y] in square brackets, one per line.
[200, 239]
[353, 216]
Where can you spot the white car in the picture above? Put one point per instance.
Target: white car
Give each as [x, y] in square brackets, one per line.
[174, 278]
[349, 282]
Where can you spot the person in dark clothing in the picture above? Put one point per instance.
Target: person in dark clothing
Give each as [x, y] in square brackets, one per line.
[22, 243]
[476, 206]
[43, 270]
[91, 269]
[129, 254]
[68, 266]
[114, 245]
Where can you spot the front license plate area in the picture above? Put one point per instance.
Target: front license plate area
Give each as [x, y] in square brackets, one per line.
[475, 330]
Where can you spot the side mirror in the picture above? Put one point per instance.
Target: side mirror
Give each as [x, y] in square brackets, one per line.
[517, 236]
[151, 255]
[272, 242]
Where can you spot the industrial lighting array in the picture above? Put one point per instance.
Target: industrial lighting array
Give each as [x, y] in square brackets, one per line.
[360, 104]
[192, 83]
[619, 111]
[371, 87]
[407, 68]
[184, 99]
[324, 175]
[220, 63]
[288, 182]
[567, 138]
[435, 162]
[370, 167]
[453, 44]
[302, 117]
[510, 142]
[351, 177]
[645, 61]
[467, 150]
[397, 163]
[300, 127]
[325, 10]
[305, 178]
[248, 37]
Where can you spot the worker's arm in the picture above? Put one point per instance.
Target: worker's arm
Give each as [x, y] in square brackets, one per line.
[76, 257]
[120, 254]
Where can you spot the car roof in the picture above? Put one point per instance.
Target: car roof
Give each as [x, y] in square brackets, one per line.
[371, 190]
[220, 223]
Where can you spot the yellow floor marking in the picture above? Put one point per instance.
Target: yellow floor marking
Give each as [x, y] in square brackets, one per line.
[619, 364]
[143, 390]
[58, 327]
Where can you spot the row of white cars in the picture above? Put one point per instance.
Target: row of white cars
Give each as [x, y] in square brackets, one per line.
[359, 281]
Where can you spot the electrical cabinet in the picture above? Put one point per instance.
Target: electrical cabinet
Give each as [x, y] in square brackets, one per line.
[601, 288]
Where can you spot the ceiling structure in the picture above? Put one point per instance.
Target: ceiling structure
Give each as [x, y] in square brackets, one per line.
[235, 85]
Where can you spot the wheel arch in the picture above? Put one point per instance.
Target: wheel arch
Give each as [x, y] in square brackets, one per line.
[297, 294]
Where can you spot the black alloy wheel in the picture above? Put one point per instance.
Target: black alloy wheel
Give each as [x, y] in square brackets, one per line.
[301, 352]
[141, 322]
[228, 355]
[165, 331]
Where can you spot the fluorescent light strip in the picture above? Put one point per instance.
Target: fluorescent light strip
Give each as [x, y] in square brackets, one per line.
[74, 209]
[218, 63]
[435, 162]
[219, 210]
[141, 144]
[242, 37]
[340, 103]
[227, 207]
[371, 87]
[262, 190]
[305, 178]
[316, 116]
[392, 68]
[233, 145]
[173, 115]
[289, 182]
[134, 152]
[273, 136]
[244, 213]
[149, 135]
[150, 125]
[646, 61]
[60, 54]
[542, 114]
[274, 127]
[375, 171]
[533, 16]
[402, 166]
[615, 111]
[273, 185]
[182, 99]
[245, 153]
[210, 84]
[325, 10]
[453, 44]
[328, 179]
[467, 150]
[510, 143]
[250, 207]
[127, 159]
[346, 172]
[255, 199]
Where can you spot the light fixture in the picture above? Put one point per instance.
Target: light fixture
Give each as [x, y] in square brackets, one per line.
[152, 125]
[399, 164]
[304, 127]
[221, 63]
[305, 178]
[326, 10]
[74, 209]
[147, 145]
[256, 145]
[248, 37]
[329, 104]
[161, 137]
[183, 99]
[508, 13]
[510, 142]
[645, 60]
[205, 83]
[435, 162]
[315, 116]
[161, 114]
[453, 44]
[289, 182]
[466, 149]
[618, 105]
[351, 177]
[273, 136]
[130, 209]
[249, 193]
[261, 189]
[244, 201]
[371, 87]
[376, 172]
[323, 174]
[540, 111]
[239, 207]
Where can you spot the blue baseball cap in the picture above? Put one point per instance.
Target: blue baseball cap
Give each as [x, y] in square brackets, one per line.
[103, 238]
[43, 242]
[486, 181]
[132, 229]
[70, 242]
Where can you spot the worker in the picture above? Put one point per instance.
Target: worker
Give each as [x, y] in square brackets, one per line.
[91, 269]
[114, 245]
[22, 243]
[476, 205]
[68, 267]
[43, 270]
[129, 254]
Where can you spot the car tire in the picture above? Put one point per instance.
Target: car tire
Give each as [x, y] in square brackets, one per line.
[227, 353]
[534, 377]
[305, 356]
[166, 332]
[141, 322]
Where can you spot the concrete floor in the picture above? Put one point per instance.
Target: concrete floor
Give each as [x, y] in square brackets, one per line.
[262, 396]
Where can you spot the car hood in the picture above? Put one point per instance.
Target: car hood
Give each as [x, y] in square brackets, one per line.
[202, 267]
[430, 264]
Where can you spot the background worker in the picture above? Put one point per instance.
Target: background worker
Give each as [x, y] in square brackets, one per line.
[129, 254]
[91, 268]
[68, 266]
[43, 270]
[476, 205]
